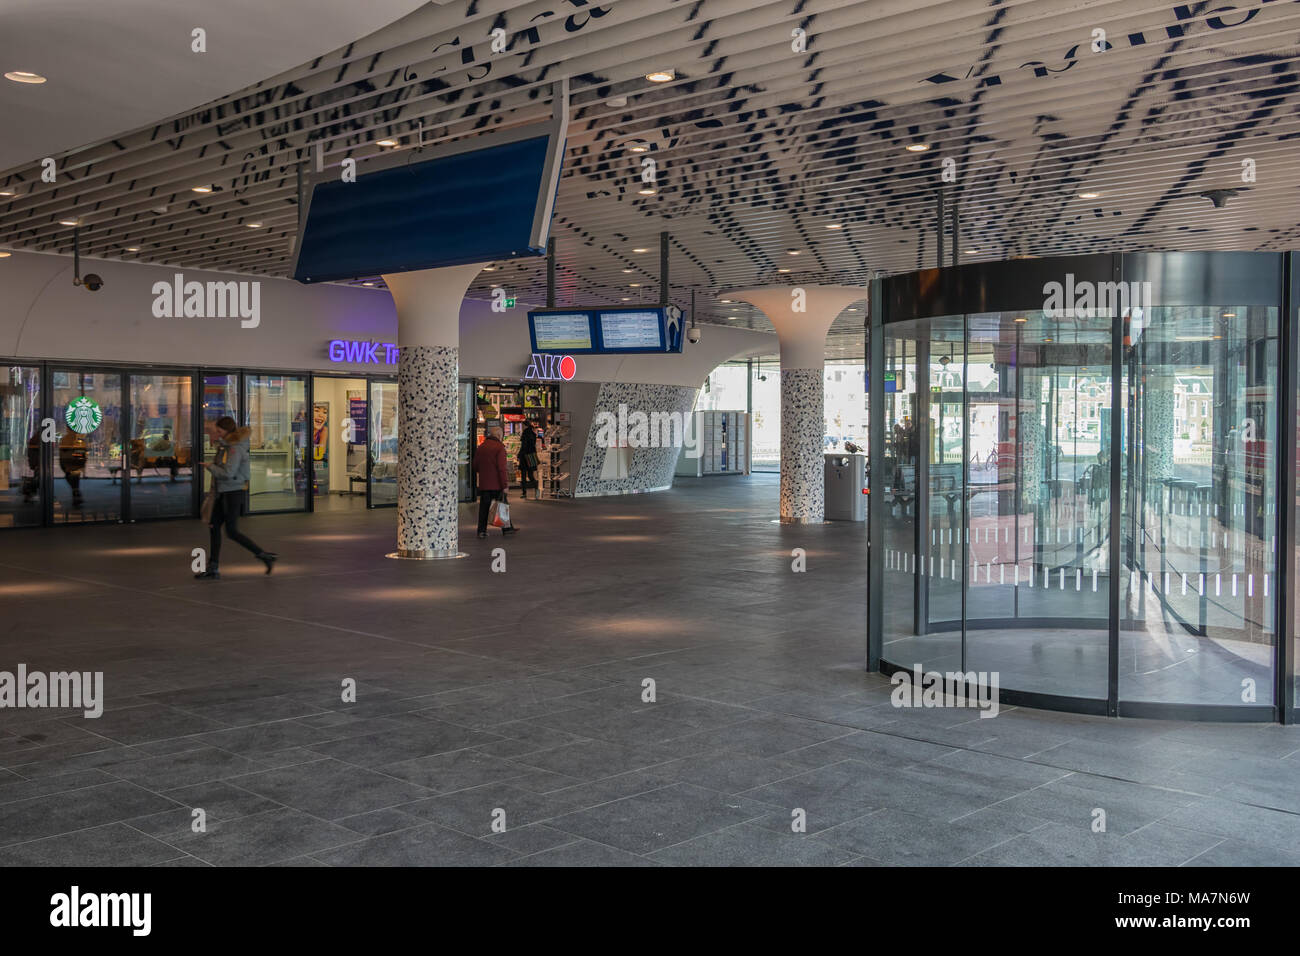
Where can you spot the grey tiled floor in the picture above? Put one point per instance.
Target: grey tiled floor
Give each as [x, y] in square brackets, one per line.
[517, 698]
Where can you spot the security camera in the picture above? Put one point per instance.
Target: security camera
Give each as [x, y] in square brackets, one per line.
[693, 335]
[92, 282]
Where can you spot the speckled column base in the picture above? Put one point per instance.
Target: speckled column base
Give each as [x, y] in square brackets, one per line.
[803, 472]
[426, 451]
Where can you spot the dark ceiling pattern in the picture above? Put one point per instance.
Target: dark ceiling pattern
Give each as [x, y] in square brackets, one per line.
[778, 148]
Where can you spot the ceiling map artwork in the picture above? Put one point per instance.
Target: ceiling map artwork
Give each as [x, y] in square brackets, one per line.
[787, 142]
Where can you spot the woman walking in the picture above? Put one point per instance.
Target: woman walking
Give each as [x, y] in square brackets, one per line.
[528, 460]
[229, 471]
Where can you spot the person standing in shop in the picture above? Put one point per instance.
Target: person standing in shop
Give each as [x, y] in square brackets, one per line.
[230, 471]
[490, 468]
[528, 460]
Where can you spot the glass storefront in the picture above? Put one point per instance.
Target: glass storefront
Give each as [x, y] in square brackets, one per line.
[280, 430]
[160, 452]
[81, 444]
[90, 455]
[383, 444]
[21, 447]
[1082, 500]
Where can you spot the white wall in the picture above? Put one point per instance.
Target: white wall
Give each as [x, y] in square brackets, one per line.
[44, 316]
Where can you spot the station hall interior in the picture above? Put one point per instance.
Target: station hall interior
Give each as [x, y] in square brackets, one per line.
[612, 412]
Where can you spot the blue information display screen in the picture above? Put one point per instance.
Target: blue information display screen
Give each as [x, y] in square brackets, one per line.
[562, 332]
[629, 331]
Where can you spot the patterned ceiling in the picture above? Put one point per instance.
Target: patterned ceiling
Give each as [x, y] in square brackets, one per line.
[779, 146]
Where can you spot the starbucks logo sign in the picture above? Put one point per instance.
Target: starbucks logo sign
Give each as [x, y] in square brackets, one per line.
[83, 415]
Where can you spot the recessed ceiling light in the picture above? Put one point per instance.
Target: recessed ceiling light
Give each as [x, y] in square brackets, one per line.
[616, 101]
[971, 252]
[628, 271]
[661, 76]
[725, 301]
[634, 285]
[1229, 315]
[640, 250]
[850, 310]
[200, 189]
[792, 252]
[7, 192]
[132, 248]
[647, 190]
[368, 285]
[68, 222]
[386, 142]
[253, 225]
[834, 225]
[1021, 318]
[1090, 195]
[627, 298]
[917, 147]
[22, 76]
[783, 269]
[4, 255]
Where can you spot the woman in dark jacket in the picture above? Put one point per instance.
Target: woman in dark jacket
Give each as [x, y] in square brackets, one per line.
[528, 460]
[229, 469]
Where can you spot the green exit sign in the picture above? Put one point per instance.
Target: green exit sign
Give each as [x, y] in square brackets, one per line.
[510, 303]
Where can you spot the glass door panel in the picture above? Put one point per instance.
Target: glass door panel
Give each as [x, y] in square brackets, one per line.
[382, 483]
[21, 449]
[1038, 488]
[90, 455]
[160, 451]
[279, 430]
[1200, 516]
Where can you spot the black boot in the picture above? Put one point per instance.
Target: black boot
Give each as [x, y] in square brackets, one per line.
[267, 558]
[209, 573]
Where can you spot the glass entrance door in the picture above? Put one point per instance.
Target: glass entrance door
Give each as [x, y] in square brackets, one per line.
[160, 449]
[90, 455]
[381, 458]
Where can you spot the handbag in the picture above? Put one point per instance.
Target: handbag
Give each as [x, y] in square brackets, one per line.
[530, 460]
[499, 515]
[209, 502]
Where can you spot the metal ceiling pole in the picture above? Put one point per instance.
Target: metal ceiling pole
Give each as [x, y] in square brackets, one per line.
[956, 229]
[663, 268]
[550, 272]
[938, 222]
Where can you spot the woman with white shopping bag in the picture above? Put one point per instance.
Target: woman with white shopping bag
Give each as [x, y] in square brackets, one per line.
[493, 479]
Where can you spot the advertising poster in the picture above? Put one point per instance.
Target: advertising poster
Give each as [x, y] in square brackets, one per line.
[320, 431]
[357, 412]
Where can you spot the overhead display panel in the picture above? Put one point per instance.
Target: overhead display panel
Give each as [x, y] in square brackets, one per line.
[615, 331]
[562, 332]
[634, 331]
[483, 199]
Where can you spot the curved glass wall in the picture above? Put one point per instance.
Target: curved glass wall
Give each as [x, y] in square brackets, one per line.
[1081, 495]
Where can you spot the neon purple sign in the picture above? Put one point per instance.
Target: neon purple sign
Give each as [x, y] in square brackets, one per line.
[373, 353]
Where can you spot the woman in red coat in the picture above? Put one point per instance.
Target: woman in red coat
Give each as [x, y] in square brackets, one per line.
[490, 467]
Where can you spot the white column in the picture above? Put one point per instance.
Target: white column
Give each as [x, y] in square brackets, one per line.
[428, 379]
[801, 316]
